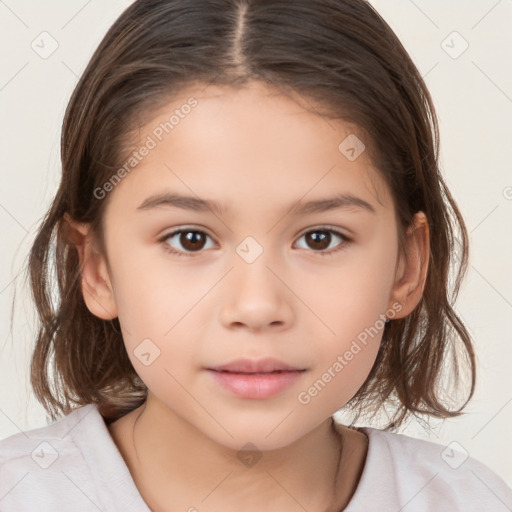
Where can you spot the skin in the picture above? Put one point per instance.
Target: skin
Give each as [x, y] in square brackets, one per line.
[257, 151]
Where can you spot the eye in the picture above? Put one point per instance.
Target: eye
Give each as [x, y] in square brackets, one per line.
[193, 240]
[190, 239]
[320, 238]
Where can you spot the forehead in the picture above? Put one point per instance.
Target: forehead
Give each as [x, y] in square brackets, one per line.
[228, 144]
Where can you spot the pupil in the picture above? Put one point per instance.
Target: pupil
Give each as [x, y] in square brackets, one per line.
[320, 241]
[193, 239]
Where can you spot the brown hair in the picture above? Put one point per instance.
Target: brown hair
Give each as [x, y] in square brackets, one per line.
[340, 55]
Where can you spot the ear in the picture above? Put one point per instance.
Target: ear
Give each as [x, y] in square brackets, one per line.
[95, 281]
[412, 268]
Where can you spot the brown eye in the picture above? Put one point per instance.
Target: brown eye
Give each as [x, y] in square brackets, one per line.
[320, 239]
[189, 242]
[186, 241]
[192, 240]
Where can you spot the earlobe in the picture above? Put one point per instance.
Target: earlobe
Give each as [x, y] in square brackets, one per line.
[95, 281]
[412, 269]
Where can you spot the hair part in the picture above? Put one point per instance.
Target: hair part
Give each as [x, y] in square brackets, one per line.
[344, 61]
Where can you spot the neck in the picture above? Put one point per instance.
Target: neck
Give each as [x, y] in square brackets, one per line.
[171, 461]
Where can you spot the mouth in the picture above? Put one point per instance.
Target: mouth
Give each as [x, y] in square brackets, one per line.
[255, 384]
[262, 366]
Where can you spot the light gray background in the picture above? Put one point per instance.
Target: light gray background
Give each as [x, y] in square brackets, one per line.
[473, 96]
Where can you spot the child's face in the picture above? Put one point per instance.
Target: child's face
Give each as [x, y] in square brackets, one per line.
[257, 285]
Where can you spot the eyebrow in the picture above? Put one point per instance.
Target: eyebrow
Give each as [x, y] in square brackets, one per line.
[343, 201]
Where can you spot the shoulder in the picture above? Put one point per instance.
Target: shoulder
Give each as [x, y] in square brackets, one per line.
[16, 445]
[419, 475]
[41, 462]
[71, 464]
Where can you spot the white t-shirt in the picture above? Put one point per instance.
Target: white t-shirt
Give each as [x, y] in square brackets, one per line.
[73, 465]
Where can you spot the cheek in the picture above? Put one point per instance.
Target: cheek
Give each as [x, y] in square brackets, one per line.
[352, 304]
[342, 366]
[159, 343]
[150, 292]
[349, 296]
[157, 309]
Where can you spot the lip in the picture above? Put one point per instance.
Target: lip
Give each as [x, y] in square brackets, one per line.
[266, 365]
[256, 379]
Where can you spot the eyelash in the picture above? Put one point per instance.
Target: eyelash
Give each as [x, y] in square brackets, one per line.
[169, 249]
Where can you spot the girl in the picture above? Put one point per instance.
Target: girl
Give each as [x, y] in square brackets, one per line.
[251, 232]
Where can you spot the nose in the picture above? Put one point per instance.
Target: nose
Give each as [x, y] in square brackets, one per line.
[256, 297]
